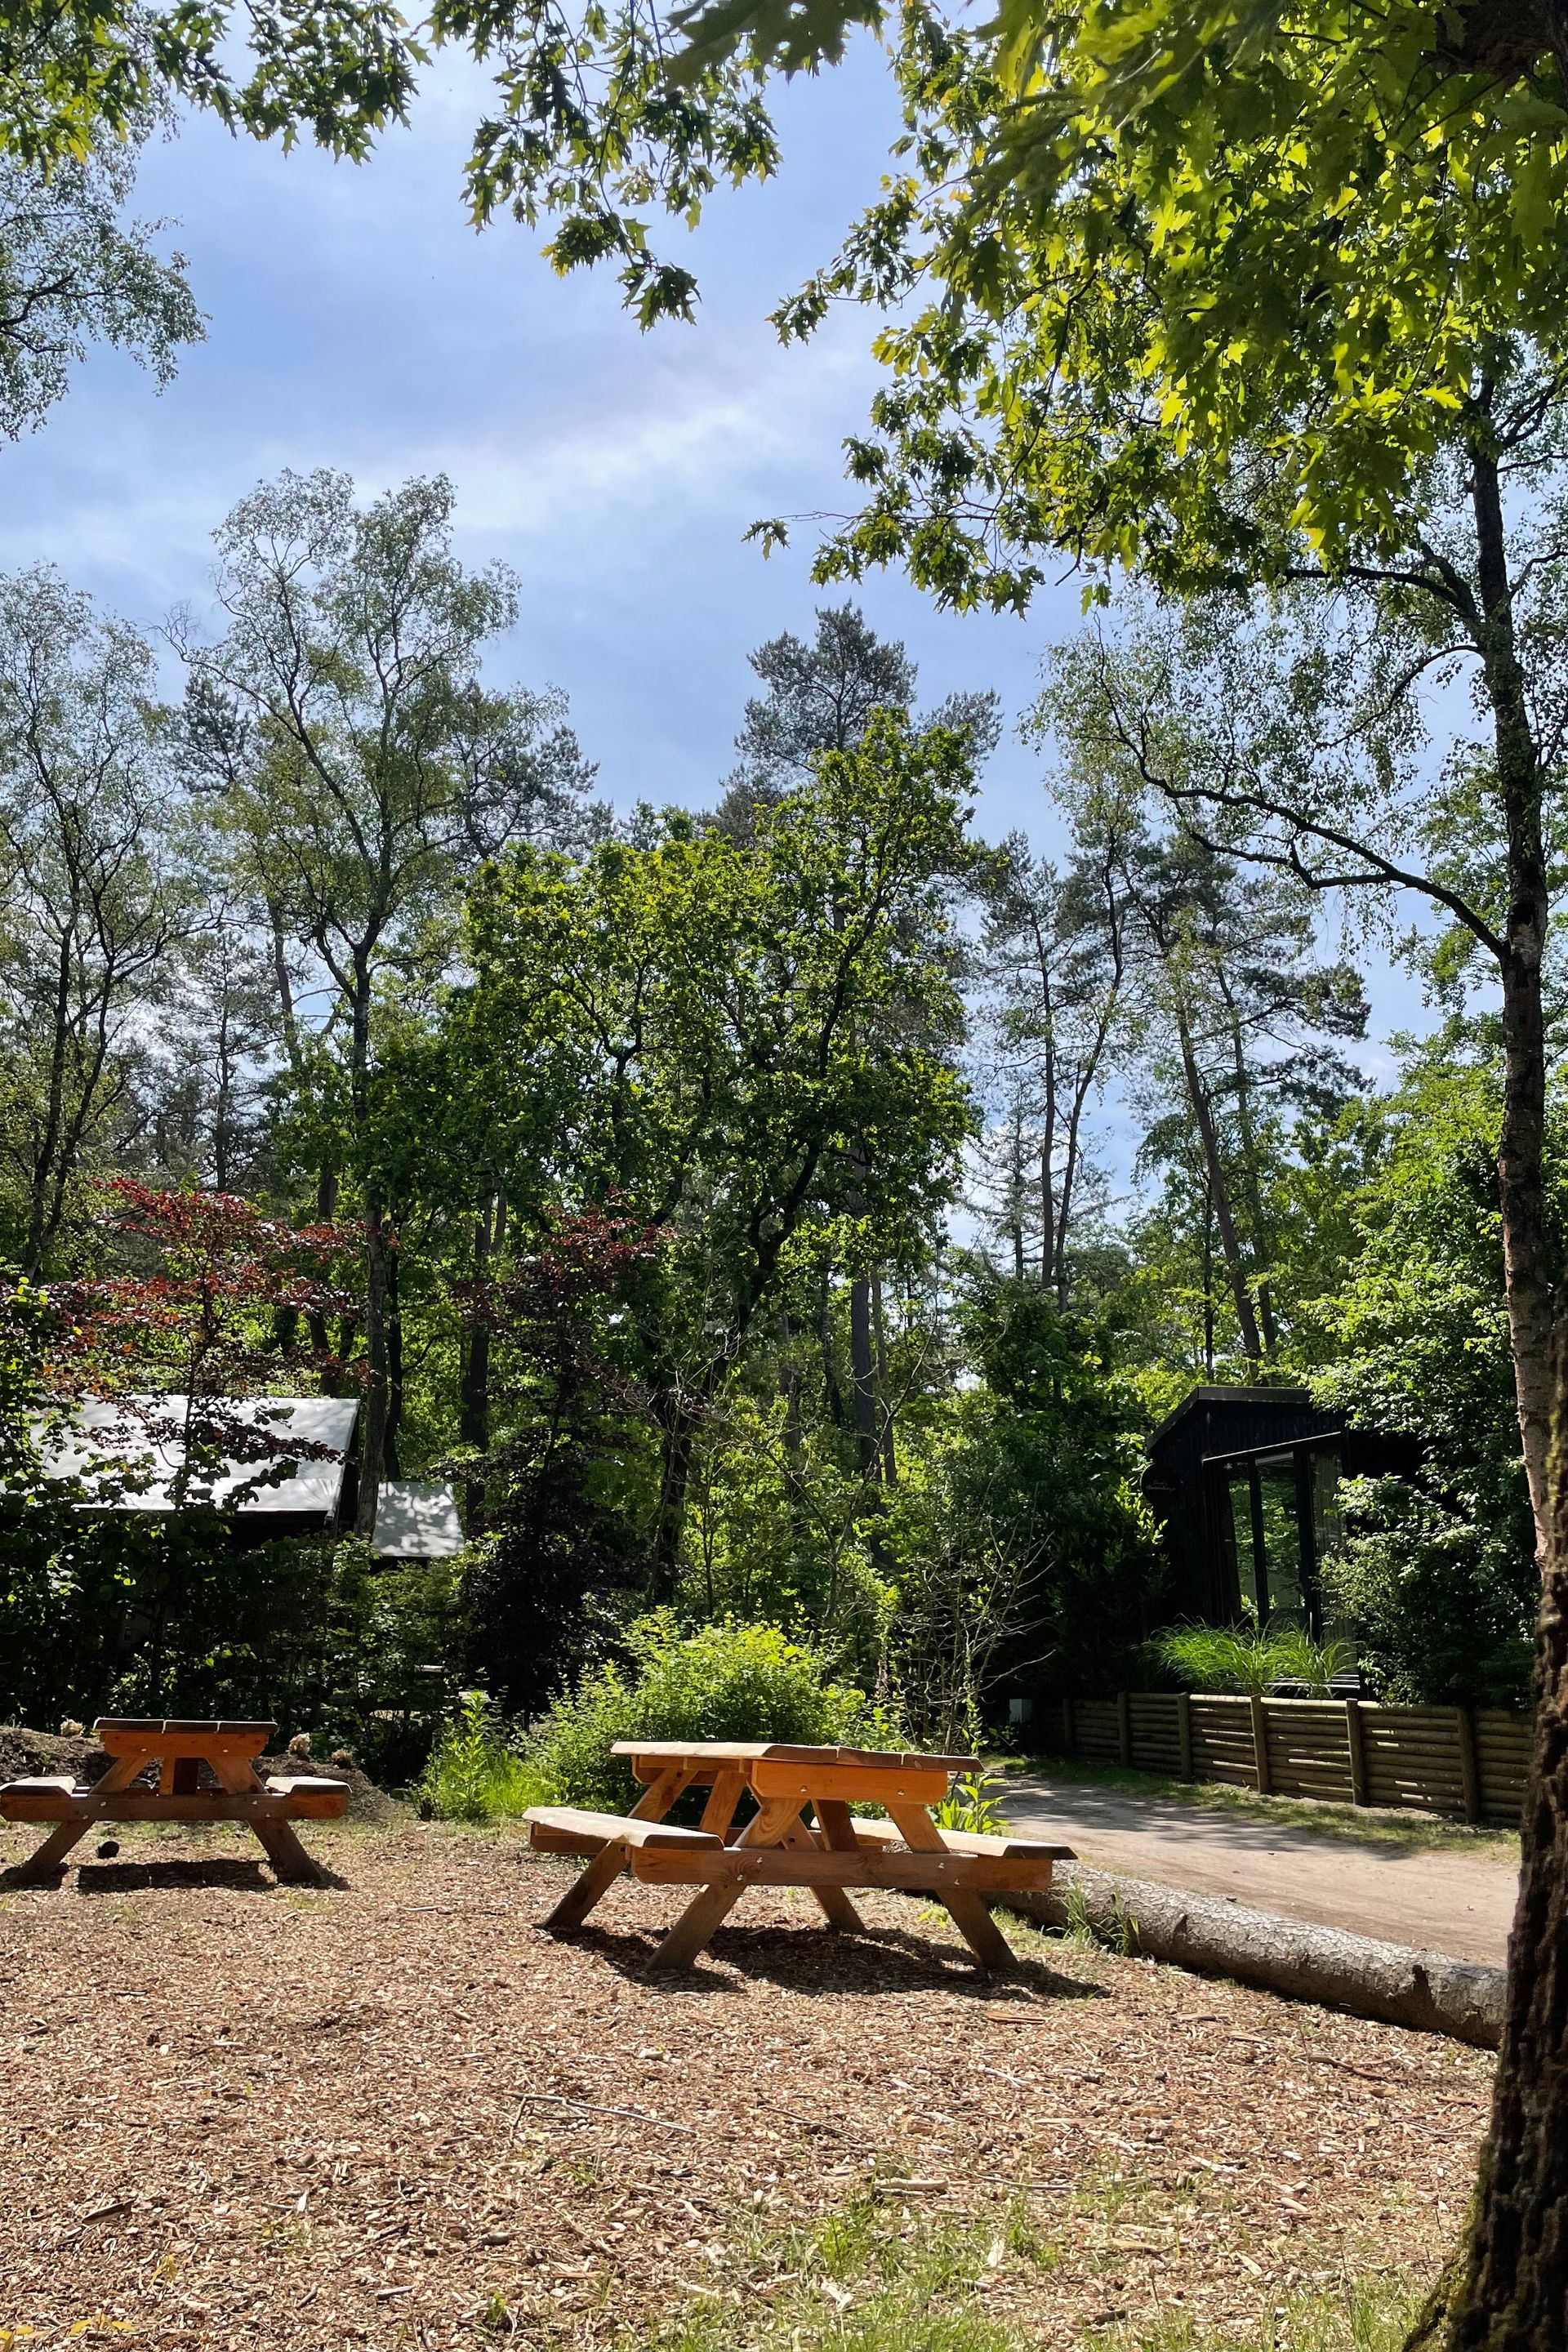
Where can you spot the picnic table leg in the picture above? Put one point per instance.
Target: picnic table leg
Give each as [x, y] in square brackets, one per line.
[709, 1909]
[969, 1915]
[277, 1840]
[50, 1855]
[285, 1852]
[659, 1795]
[720, 1811]
[588, 1888]
[592, 1885]
[722, 1798]
[837, 1830]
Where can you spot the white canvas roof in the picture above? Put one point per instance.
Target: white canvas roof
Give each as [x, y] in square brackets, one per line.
[416, 1522]
[123, 1428]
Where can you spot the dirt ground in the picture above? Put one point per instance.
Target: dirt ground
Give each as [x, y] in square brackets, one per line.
[1448, 1900]
[393, 2112]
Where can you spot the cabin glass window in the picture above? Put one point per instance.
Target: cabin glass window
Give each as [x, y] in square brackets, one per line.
[1279, 1524]
[1328, 1516]
[1254, 1594]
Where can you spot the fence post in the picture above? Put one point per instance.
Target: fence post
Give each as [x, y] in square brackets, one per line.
[1066, 1726]
[1356, 1743]
[1124, 1725]
[1470, 1767]
[1260, 1745]
[1185, 1731]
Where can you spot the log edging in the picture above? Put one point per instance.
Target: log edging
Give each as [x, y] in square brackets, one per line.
[1425, 1991]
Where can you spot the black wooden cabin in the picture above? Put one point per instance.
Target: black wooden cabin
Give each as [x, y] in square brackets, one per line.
[1245, 1483]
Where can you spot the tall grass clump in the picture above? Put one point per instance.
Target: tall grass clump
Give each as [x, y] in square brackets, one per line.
[476, 1772]
[728, 1681]
[1254, 1659]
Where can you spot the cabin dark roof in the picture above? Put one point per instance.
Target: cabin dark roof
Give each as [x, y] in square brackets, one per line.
[1221, 1393]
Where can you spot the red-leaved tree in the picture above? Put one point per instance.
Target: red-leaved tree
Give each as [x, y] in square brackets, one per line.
[165, 1356]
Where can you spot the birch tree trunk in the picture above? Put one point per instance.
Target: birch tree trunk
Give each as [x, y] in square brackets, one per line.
[1507, 2292]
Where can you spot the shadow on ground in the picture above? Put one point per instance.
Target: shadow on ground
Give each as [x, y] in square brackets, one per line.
[123, 1877]
[878, 1960]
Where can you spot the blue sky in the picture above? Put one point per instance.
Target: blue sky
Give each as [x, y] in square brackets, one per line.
[356, 321]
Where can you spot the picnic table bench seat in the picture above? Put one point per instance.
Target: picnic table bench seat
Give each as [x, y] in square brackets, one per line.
[1002, 1845]
[53, 1798]
[569, 1829]
[311, 1796]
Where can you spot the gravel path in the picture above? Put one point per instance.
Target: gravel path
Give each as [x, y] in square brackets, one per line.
[1448, 1901]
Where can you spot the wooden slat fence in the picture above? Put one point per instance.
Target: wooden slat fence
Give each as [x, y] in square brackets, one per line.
[1434, 1760]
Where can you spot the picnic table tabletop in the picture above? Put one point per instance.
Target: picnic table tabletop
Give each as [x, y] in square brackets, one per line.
[750, 1751]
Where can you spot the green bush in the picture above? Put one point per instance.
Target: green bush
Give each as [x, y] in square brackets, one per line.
[476, 1771]
[1253, 1659]
[729, 1681]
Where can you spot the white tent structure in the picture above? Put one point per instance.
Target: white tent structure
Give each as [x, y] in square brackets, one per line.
[415, 1521]
[142, 1434]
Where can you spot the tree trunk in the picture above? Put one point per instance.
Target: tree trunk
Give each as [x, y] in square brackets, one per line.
[223, 1100]
[1058, 1242]
[474, 1393]
[1014, 1225]
[680, 1438]
[1526, 1251]
[315, 1321]
[44, 1159]
[1527, 1255]
[885, 1412]
[863, 1379]
[391, 1461]
[832, 1394]
[1049, 1139]
[474, 1420]
[1252, 1178]
[373, 1411]
[1422, 1990]
[1229, 1239]
[789, 1386]
[284, 986]
[1510, 2291]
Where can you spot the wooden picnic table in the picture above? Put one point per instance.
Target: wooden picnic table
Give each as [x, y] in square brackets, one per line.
[831, 1852]
[179, 1749]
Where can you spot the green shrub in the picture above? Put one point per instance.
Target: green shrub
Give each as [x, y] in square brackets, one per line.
[476, 1771]
[974, 1802]
[729, 1681]
[1253, 1659]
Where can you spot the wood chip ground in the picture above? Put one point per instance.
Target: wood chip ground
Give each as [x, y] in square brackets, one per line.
[389, 2112]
